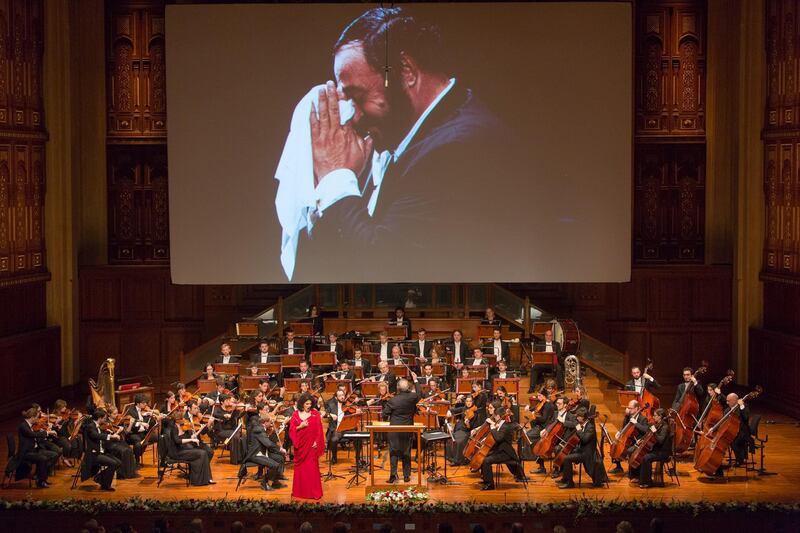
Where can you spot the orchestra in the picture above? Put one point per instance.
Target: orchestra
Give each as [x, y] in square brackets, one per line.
[487, 422]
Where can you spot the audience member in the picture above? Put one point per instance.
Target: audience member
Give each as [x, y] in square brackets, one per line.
[559, 529]
[340, 527]
[237, 527]
[624, 527]
[305, 527]
[656, 525]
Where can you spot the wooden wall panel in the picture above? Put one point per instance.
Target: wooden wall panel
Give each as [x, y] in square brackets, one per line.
[775, 365]
[31, 364]
[669, 151]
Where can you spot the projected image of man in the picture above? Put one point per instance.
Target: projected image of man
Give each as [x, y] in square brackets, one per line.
[419, 147]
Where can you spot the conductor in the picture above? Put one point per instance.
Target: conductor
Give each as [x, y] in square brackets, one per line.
[400, 412]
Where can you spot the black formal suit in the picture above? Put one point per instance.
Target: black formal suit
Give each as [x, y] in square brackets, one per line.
[542, 419]
[308, 374]
[487, 322]
[504, 349]
[271, 358]
[586, 452]
[742, 440]
[459, 138]
[232, 359]
[404, 322]
[31, 451]
[198, 459]
[400, 412]
[390, 378]
[297, 345]
[558, 368]
[138, 432]
[349, 376]
[263, 451]
[501, 453]
[333, 435]
[366, 365]
[695, 389]
[463, 351]
[649, 384]
[426, 348]
[98, 455]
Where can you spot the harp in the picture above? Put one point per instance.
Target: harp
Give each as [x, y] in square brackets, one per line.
[103, 389]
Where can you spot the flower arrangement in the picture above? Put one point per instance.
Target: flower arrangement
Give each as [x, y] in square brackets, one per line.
[411, 495]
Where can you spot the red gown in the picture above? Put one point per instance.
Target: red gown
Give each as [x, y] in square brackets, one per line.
[307, 482]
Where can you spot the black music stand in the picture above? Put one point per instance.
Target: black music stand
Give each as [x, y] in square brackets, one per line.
[432, 438]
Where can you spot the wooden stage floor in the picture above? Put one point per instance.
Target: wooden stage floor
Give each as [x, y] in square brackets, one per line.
[781, 458]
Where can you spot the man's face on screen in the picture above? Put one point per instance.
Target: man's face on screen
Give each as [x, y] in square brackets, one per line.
[383, 113]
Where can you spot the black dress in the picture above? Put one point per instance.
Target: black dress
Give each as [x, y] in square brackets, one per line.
[199, 463]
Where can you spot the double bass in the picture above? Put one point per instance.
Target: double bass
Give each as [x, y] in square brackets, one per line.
[626, 435]
[647, 398]
[724, 432]
[688, 409]
[710, 416]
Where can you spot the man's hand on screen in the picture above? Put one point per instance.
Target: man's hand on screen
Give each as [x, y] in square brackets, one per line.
[335, 146]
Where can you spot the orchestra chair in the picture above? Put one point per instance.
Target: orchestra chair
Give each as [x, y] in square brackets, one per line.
[76, 477]
[168, 464]
[13, 463]
[241, 477]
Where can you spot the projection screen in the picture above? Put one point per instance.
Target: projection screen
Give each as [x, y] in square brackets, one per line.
[454, 142]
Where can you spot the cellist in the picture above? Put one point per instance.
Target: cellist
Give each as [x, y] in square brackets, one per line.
[586, 452]
[566, 418]
[633, 415]
[689, 382]
[661, 451]
[503, 451]
[545, 413]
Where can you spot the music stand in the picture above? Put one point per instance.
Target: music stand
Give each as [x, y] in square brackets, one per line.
[206, 385]
[369, 388]
[332, 385]
[292, 360]
[464, 385]
[396, 333]
[625, 396]
[485, 331]
[302, 329]
[292, 385]
[400, 371]
[227, 368]
[511, 385]
[372, 357]
[248, 383]
[323, 359]
[272, 368]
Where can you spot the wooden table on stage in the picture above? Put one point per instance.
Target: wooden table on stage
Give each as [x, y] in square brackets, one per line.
[126, 397]
[386, 428]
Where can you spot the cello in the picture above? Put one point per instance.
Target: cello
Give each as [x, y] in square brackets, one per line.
[572, 442]
[688, 409]
[544, 447]
[475, 439]
[724, 431]
[484, 442]
[646, 443]
[626, 434]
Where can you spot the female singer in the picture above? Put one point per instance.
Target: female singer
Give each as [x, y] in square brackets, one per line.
[305, 430]
[187, 449]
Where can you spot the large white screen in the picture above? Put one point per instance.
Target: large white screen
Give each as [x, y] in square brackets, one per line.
[502, 153]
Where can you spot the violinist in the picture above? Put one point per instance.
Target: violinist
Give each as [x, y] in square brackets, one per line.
[502, 451]
[479, 394]
[661, 451]
[269, 387]
[170, 402]
[64, 426]
[142, 420]
[465, 417]
[567, 419]
[433, 392]
[198, 425]
[640, 381]
[120, 449]
[214, 397]
[185, 446]
[98, 462]
[544, 412]
[383, 396]
[31, 437]
[226, 417]
[585, 452]
[633, 415]
[509, 402]
[336, 411]
[316, 398]
[689, 382]
[263, 451]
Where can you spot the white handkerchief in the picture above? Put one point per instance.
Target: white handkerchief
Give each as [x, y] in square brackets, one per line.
[295, 173]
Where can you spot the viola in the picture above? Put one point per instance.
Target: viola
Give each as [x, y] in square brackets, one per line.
[721, 435]
[688, 409]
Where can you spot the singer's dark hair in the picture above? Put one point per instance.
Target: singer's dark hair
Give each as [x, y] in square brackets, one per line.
[420, 39]
[301, 401]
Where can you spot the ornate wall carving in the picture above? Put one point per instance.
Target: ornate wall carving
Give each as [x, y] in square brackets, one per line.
[137, 133]
[669, 182]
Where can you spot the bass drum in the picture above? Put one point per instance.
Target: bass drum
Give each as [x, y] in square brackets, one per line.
[566, 332]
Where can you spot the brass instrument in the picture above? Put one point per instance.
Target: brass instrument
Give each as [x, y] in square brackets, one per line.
[572, 371]
[103, 390]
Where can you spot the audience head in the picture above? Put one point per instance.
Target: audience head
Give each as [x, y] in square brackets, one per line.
[305, 527]
[624, 527]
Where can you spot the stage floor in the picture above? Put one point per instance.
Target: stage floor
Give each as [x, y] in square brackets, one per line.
[781, 459]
